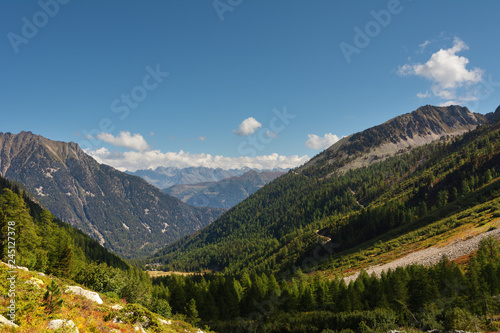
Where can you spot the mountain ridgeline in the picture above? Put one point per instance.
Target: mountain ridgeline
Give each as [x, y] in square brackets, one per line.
[225, 193]
[164, 177]
[408, 172]
[123, 212]
[395, 136]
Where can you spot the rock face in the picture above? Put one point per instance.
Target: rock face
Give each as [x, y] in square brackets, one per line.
[91, 295]
[225, 193]
[123, 212]
[68, 325]
[397, 135]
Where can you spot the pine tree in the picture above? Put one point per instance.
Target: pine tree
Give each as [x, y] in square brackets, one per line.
[192, 312]
[52, 297]
[488, 251]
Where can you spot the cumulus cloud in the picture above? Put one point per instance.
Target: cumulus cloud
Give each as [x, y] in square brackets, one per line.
[317, 142]
[134, 160]
[446, 70]
[125, 139]
[248, 126]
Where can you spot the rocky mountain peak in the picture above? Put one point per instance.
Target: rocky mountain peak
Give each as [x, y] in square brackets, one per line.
[424, 125]
[121, 211]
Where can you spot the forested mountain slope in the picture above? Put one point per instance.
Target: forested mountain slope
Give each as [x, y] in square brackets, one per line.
[275, 228]
[42, 241]
[41, 256]
[123, 212]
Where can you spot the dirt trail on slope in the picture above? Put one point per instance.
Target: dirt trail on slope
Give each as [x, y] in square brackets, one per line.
[328, 239]
[431, 255]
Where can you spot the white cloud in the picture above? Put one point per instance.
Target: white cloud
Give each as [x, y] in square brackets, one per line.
[424, 95]
[134, 160]
[317, 142]
[125, 139]
[248, 126]
[423, 45]
[202, 138]
[447, 71]
[448, 103]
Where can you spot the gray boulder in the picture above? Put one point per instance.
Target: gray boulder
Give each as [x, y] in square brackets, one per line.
[91, 295]
[67, 325]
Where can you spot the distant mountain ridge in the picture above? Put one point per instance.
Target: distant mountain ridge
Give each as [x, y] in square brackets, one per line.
[164, 177]
[123, 212]
[225, 193]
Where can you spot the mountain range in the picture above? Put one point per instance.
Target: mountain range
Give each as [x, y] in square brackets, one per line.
[123, 212]
[164, 177]
[225, 193]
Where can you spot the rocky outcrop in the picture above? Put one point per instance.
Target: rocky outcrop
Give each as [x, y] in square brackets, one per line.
[91, 295]
[4, 322]
[67, 325]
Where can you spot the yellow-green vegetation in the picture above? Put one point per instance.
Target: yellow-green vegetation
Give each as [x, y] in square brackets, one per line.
[387, 248]
[154, 274]
[34, 311]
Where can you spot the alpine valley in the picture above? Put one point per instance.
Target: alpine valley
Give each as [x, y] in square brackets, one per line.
[392, 228]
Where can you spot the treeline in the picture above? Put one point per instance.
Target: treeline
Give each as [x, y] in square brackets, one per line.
[41, 242]
[444, 297]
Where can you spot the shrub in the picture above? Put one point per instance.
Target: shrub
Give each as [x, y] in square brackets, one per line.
[458, 319]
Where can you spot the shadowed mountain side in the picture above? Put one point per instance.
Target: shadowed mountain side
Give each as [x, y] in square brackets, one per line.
[123, 212]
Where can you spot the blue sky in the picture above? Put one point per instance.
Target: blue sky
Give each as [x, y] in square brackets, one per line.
[235, 83]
